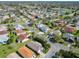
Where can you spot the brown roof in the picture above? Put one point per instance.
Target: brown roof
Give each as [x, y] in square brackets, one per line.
[70, 29]
[23, 36]
[3, 32]
[18, 31]
[25, 52]
[60, 22]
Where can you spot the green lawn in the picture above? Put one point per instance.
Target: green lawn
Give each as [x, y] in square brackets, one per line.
[6, 49]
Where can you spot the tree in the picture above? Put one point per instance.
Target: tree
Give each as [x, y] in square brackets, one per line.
[66, 54]
[12, 38]
[41, 39]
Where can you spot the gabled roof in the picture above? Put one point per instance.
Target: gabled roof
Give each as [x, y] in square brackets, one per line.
[35, 46]
[3, 32]
[18, 26]
[68, 36]
[2, 28]
[25, 52]
[3, 39]
[70, 29]
[23, 36]
[19, 31]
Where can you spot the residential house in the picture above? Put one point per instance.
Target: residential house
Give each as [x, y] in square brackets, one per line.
[69, 36]
[42, 27]
[3, 32]
[28, 23]
[77, 25]
[19, 31]
[3, 28]
[3, 35]
[70, 29]
[57, 32]
[51, 35]
[35, 46]
[13, 55]
[60, 23]
[23, 37]
[5, 17]
[3, 39]
[40, 33]
[18, 26]
[26, 52]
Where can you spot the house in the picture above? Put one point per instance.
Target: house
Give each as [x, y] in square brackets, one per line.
[18, 26]
[5, 17]
[77, 38]
[77, 25]
[42, 27]
[60, 22]
[35, 46]
[40, 33]
[3, 27]
[50, 35]
[19, 31]
[69, 36]
[70, 29]
[23, 37]
[13, 55]
[3, 39]
[13, 15]
[25, 52]
[28, 23]
[57, 32]
[3, 32]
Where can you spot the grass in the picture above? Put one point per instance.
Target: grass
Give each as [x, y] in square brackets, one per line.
[6, 49]
[46, 48]
[75, 50]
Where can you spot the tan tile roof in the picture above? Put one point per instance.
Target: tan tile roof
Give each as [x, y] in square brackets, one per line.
[25, 52]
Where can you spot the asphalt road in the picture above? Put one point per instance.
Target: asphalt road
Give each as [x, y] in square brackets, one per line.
[55, 47]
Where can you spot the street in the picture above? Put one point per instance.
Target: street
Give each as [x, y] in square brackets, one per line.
[55, 47]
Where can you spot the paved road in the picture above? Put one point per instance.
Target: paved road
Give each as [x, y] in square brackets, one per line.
[55, 47]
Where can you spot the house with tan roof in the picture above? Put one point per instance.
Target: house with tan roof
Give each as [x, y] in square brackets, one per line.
[19, 31]
[26, 52]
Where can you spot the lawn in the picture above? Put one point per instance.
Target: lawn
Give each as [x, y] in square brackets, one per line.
[6, 49]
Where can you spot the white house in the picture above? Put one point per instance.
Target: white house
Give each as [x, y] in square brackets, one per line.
[35, 46]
